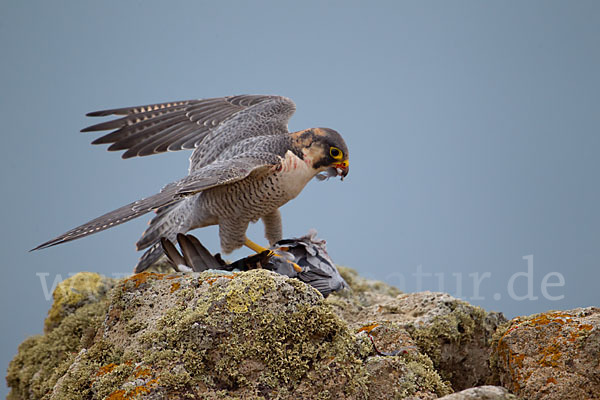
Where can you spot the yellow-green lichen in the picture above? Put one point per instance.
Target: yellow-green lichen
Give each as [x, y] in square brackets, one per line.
[241, 294]
[42, 360]
[407, 375]
[254, 334]
[457, 341]
[453, 327]
[243, 343]
[135, 326]
[73, 292]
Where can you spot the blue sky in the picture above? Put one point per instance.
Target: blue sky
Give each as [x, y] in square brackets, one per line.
[472, 128]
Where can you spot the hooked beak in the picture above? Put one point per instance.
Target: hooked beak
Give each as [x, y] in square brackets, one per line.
[342, 168]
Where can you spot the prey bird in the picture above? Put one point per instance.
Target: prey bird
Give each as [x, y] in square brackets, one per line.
[316, 267]
[245, 164]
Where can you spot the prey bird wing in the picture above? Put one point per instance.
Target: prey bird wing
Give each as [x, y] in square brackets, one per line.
[195, 254]
[216, 174]
[172, 253]
[157, 128]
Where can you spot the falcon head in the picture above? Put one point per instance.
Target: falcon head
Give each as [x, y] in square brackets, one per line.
[325, 149]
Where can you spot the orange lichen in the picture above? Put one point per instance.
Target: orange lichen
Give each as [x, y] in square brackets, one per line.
[514, 363]
[550, 355]
[550, 380]
[509, 330]
[106, 369]
[213, 279]
[518, 359]
[560, 328]
[142, 277]
[368, 328]
[116, 395]
[132, 394]
[175, 286]
[550, 318]
[142, 372]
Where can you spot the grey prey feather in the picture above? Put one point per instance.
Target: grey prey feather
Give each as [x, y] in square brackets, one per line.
[318, 269]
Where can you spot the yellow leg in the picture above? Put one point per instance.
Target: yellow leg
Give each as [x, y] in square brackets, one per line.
[259, 249]
[254, 247]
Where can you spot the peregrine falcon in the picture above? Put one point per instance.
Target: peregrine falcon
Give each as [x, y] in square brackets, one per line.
[245, 164]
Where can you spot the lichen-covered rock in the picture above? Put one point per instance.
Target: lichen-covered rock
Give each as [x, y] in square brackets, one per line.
[248, 334]
[74, 292]
[364, 295]
[71, 325]
[409, 375]
[552, 355]
[253, 334]
[481, 393]
[454, 334]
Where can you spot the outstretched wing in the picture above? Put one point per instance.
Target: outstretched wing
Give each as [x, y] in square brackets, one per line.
[157, 128]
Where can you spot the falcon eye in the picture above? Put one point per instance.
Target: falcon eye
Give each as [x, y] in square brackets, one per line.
[335, 153]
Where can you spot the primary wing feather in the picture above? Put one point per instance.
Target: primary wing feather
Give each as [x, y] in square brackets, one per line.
[157, 128]
[212, 175]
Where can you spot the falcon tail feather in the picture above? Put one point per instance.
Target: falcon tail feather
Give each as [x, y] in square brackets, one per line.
[115, 217]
